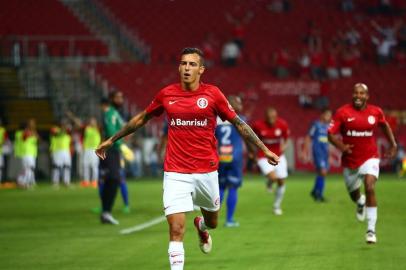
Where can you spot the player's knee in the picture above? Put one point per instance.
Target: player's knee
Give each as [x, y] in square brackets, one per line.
[177, 230]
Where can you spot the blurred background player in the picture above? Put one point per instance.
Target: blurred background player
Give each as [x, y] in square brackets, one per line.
[91, 139]
[230, 148]
[3, 137]
[18, 151]
[29, 149]
[274, 132]
[356, 123]
[60, 148]
[318, 139]
[110, 168]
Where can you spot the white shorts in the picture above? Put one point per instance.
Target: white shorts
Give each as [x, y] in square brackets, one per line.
[90, 158]
[354, 177]
[28, 162]
[281, 170]
[184, 190]
[62, 159]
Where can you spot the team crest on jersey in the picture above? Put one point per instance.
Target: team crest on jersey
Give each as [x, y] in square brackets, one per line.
[202, 103]
[278, 132]
[371, 119]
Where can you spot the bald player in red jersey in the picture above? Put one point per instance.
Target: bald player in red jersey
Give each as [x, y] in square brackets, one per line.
[191, 161]
[274, 132]
[356, 123]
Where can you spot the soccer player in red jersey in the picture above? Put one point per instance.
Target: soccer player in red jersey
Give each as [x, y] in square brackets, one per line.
[356, 123]
[274, 132]
[191, 160]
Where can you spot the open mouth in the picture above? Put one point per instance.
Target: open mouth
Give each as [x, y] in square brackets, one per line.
[358, 101]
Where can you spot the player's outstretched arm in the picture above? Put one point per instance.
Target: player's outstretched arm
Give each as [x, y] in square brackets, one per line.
[135, 123]
[391, 152]
[249, 136]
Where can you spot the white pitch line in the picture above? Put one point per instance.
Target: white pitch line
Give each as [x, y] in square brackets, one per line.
[143, 226]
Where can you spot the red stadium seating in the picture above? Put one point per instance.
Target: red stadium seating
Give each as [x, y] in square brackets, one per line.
[46, 21]
[168, 26]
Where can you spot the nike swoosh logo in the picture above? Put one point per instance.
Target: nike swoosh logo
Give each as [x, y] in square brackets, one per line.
[172, 102]
[350, 119]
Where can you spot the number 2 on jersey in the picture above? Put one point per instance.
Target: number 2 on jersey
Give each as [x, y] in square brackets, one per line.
[226, 132]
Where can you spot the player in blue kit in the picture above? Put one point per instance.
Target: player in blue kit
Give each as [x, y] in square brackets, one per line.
[319, 141]
[230, 147]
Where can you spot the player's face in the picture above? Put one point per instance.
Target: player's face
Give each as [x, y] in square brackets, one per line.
[31, 124]
[190, 68]
[271, 116]
[118, 99]
[326, 117]
[93, 122]
[360, 97]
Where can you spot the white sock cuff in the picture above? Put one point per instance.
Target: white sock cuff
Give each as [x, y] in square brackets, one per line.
[372, 211]
[175, 246]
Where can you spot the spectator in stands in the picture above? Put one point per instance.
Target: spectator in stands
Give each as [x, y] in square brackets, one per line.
[322, 101]
[305, 101]
[304, 63]
[349, 59]
[230, 54]
[279, 6]
[402, 36]
[347, 5]
[281, 61]
[239, 18]
[313, 37]
[385, 7]
[401, 49]
[332, 63]
[383, 49]
[387, 32]
[352, 36]
[209, 49]
[316, 64]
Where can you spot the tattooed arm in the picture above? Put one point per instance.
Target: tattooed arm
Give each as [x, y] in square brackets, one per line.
[249, 136]
[135, 123]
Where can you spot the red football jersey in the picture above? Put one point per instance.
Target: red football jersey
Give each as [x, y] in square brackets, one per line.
[357, 128]
[191, 117]
[271, 135]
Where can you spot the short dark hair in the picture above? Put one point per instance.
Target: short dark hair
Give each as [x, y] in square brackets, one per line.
[190, 50]
[325, 110]
[104, 101]
[113, 94]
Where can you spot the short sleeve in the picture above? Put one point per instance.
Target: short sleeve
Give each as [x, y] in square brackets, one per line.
[156, 107]
[381, 117]
[335, 123]
[312, 130]
[286, 131]
[224, 109]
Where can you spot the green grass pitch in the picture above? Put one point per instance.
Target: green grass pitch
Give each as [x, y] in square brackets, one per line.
[55, 229]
